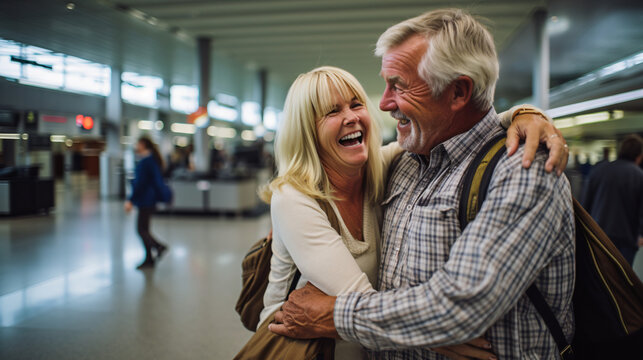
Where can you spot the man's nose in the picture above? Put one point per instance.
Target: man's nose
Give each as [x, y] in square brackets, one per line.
[387, 103]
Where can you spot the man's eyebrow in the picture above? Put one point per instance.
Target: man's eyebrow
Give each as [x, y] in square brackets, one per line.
[395, 79]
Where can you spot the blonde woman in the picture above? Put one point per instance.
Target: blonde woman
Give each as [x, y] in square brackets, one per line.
[328, 150]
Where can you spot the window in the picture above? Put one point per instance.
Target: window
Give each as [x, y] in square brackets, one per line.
[42, 67]
[36, 66]
[9, 49]
[221, 112]
[82, 75]
[184, 99]
[271, 118]
[250, 113]
[140, 90]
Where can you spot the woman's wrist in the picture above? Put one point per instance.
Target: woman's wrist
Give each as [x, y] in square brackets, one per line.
[528, 110]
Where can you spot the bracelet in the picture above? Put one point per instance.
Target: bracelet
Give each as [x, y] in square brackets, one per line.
[524, 111]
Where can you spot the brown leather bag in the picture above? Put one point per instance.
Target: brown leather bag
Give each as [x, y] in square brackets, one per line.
[255, 270]
[267, 345]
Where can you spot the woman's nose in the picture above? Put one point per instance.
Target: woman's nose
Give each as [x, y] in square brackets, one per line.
[350, 117]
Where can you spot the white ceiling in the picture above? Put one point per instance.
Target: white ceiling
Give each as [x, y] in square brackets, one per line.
[289, 37]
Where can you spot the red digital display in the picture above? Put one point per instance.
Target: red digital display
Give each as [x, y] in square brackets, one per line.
[86, 122]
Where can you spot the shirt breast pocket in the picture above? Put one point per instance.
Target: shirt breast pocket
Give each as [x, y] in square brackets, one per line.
[432, 232]
[390, 198]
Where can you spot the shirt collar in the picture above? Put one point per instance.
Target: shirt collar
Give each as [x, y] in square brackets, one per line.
[462, 145]
[457, 148]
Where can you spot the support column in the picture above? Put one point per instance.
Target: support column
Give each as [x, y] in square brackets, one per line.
[201, 138]
[111, 170]
[263, 86]
[540, 83]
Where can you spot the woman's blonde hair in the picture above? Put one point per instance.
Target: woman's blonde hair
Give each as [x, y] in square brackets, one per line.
[296, 146]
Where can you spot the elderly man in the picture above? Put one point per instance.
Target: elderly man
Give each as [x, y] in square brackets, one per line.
[439, 285]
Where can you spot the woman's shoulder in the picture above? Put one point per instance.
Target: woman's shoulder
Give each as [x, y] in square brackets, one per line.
[287, 196]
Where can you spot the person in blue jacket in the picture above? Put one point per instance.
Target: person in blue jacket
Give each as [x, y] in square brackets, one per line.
[147, 190]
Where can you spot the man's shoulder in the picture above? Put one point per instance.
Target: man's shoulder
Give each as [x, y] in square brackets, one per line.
[514, 162]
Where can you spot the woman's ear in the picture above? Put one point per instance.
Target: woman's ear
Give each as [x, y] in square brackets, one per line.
[462, 88]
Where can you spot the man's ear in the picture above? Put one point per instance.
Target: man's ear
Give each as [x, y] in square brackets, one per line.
[462, 88]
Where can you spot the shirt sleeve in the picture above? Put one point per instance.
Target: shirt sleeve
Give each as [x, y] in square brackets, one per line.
[315, 247]
[505, 116]
[491, 264]
[141, 181]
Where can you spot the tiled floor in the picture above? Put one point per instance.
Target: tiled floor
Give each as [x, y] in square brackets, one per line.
[69, 288]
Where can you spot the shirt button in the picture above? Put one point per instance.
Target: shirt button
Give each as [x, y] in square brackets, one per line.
[409, 207]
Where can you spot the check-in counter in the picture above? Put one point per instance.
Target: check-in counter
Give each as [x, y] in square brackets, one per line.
[26, 196]
[215, 195]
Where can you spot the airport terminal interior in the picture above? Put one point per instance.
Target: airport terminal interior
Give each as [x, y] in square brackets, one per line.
[81, 81]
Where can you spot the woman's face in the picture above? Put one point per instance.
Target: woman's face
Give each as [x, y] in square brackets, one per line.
[343, 135]
[139, 149]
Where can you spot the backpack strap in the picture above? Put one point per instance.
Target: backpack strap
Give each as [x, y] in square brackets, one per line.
[334, 222]
[476, 183]
[477, 178]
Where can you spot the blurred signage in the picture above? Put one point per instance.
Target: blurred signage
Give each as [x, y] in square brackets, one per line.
[54, 119]
[9, 118]
[31, 120]
[199, 117]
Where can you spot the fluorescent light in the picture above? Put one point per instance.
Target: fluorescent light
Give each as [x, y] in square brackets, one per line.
[595, 104]
[564, 123]
[248, 135]
[588, 119]
[183, 128]
[592, 118]
[181, 141]
[9, 136]
[223, 132]
[618, 114]
[146, 125]
[58, 138]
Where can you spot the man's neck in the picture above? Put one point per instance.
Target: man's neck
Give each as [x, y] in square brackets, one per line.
[462, 121]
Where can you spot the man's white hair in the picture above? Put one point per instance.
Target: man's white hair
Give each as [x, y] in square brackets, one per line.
[458, 45]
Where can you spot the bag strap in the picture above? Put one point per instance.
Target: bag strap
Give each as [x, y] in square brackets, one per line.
[476, 183]
[536, 298]
[334, 222]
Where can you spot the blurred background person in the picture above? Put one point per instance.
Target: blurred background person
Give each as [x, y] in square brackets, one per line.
[614, 196]
[147, 187]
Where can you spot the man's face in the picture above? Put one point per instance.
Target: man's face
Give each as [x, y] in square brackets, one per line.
[422, 119]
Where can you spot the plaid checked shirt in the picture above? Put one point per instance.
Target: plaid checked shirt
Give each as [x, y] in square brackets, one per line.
[440, 286]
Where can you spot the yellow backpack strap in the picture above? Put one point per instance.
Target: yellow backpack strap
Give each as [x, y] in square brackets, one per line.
[477, 177]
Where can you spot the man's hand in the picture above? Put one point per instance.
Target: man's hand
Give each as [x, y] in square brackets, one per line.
[478, 348]
[307, 314]
[535, 129]
[128, 206]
